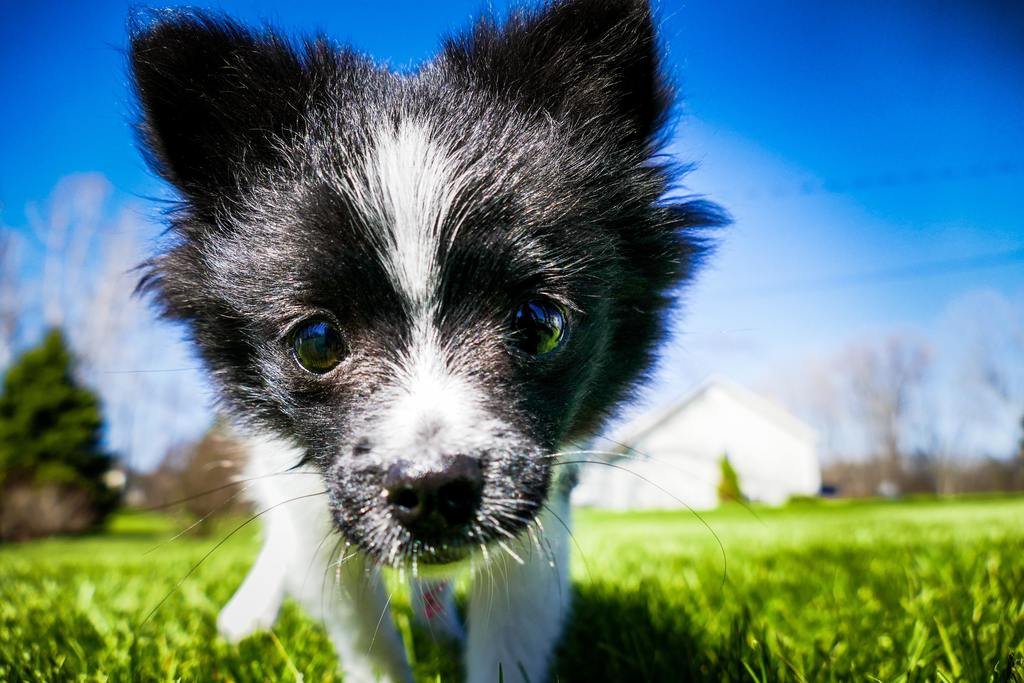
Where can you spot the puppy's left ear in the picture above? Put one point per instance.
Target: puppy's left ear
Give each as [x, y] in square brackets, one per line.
[215, 98]
[589, 60]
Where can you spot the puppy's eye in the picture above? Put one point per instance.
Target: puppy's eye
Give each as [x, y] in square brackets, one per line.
[538, 327]
[317, 346]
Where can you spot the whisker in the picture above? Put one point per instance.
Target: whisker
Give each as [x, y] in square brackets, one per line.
[515, 518]
[217, 546]
[148, 372]
[387, 604]
[725, 561]
[199, 521]
[639, 455]
[549, 554]
[236, 482]
[327, 571]
[572, 536]
[342, 560]
[312, 559]
[511, 554]
[496, 525]
[544, 543]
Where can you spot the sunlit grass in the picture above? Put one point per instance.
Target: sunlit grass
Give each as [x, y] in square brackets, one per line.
[912, 591]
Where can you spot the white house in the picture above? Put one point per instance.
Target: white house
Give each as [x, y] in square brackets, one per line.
[677, 452]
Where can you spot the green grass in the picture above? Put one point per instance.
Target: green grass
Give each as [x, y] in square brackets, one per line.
[912, 591]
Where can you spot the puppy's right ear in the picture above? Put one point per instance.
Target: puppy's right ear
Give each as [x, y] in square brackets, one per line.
[214, 98]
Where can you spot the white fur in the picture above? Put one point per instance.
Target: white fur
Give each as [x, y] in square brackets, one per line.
[430, 410]
[298, 537]
[407, 188]
[517, 604]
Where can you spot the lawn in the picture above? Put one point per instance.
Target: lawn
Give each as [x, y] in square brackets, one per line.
[891, 591]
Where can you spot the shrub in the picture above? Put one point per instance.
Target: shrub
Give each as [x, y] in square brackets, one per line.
[198, 479]
[729, 484]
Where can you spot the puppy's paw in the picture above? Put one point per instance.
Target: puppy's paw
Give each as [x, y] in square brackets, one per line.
[448, 629]
[237, 621]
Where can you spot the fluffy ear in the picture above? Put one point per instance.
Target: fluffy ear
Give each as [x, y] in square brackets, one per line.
[574, 58]
[214, 96]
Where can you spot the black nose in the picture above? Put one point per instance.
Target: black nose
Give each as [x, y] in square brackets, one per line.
[430, 502]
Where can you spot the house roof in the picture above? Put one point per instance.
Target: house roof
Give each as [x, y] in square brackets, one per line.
[647, 422]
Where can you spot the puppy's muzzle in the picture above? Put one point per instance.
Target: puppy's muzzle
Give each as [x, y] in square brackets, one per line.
[435, 501]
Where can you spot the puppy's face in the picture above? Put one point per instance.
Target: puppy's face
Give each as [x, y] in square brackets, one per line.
[427, 281]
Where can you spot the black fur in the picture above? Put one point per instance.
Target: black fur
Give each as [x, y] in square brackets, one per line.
[554, 117]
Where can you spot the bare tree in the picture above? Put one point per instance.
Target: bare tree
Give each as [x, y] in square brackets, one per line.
[995, 358]
[88, 246]
[986, 330]
[70, 228]
[11, 305]
[816, 396]
[893, 411]
[883, 382]
[199, 479]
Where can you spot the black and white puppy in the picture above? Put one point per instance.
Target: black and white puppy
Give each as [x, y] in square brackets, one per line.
[417, 289]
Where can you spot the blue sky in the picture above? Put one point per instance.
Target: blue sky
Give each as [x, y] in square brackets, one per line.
[844, 137]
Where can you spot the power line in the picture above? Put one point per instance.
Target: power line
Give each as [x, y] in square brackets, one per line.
[884, 275]
[892, 179]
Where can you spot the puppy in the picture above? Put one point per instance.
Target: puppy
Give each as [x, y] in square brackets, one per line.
[414, 292]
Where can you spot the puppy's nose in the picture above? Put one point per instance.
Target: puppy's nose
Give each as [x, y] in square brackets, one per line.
[433, 501]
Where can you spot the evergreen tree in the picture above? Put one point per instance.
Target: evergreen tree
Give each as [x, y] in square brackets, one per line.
[50, 426]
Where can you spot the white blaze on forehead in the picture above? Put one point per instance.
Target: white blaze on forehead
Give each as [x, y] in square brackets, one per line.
[411, 183]
[434, 411]
[408, 184]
